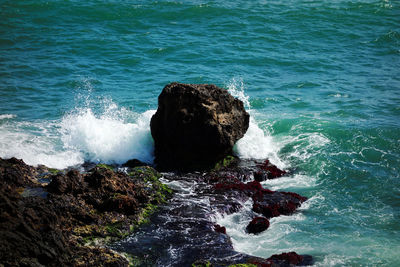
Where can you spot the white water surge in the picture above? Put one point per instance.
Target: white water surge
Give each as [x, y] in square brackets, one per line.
[109, 134]
[108, 138]
[113, 136]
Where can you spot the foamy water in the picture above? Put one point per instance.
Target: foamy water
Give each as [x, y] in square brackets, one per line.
[7, 116]
[107, 138]
[109, 134]
[113, 136]
[101, 131]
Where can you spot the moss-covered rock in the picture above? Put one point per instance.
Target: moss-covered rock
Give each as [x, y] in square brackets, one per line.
[201, 263]
[83, 211]
[105, 166]
[225, 162]
[243, 265]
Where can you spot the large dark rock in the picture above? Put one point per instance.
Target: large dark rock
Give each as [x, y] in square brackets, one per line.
[196, 125]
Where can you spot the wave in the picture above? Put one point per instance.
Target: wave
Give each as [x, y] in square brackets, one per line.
[256, 143]
[7, 116]
[36, 143]
[113, 135]
[108, 138]
[100, 131]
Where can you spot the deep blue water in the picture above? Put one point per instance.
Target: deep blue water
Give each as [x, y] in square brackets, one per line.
[79, 81]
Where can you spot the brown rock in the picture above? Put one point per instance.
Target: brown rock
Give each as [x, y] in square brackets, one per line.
[196, 125]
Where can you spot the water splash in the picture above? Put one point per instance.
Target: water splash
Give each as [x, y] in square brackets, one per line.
[100, 131]
[256, 143]
[36, 143]
[236, 88]
[7, 116]
[108, 137]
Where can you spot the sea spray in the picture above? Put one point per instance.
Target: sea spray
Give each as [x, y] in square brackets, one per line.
[36, 143]
[111, 135]
[236, 87]
[107, 137]
[256, 144]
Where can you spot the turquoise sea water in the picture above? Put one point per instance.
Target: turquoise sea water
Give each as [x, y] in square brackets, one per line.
[79, 81]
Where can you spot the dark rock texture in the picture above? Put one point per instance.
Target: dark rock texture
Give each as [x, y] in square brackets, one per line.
[288, 259]
[220, 229]
[257, 225]
[196, 125]
[267, 170]
[82, 212]
[266, 202]
[184, 232]
[78, 209]
[132, 163]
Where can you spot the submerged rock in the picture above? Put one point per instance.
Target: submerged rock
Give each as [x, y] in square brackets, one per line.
[284, 260]
[220, 229]
[266, 202]
[196, 125]
[257, 225]
[267, 170]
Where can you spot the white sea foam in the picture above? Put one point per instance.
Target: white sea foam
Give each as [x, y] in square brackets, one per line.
[113, 135]
[256, 143]
[268, 242]
[290, 182]
[305, 145]
[236, 88]
[7, 116]
[107, 137]
[36, 143]
[333, 260]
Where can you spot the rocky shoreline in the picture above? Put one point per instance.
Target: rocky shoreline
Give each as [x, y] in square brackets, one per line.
[132, 215]
[51, 217]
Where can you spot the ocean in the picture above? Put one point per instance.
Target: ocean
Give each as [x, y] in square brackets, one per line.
[79, 81]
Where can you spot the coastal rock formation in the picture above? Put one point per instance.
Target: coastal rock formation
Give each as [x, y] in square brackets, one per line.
[266, 202]
[196, 125]
[284, 260]
[71, 218]
[47, 217]
[267, 170]
[257, 225]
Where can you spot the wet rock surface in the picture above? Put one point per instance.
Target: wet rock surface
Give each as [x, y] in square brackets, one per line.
[266, 170]
[78, 209]
[184, 232]
[85, 218]
[196, 125]
[257, 225]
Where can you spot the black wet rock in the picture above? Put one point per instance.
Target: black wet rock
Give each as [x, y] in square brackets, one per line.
[266, 170]
[257, 225]
[195, 126]
[132, 163]
[53, 230]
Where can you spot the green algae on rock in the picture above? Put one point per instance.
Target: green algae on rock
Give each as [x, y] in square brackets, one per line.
[84, 211]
